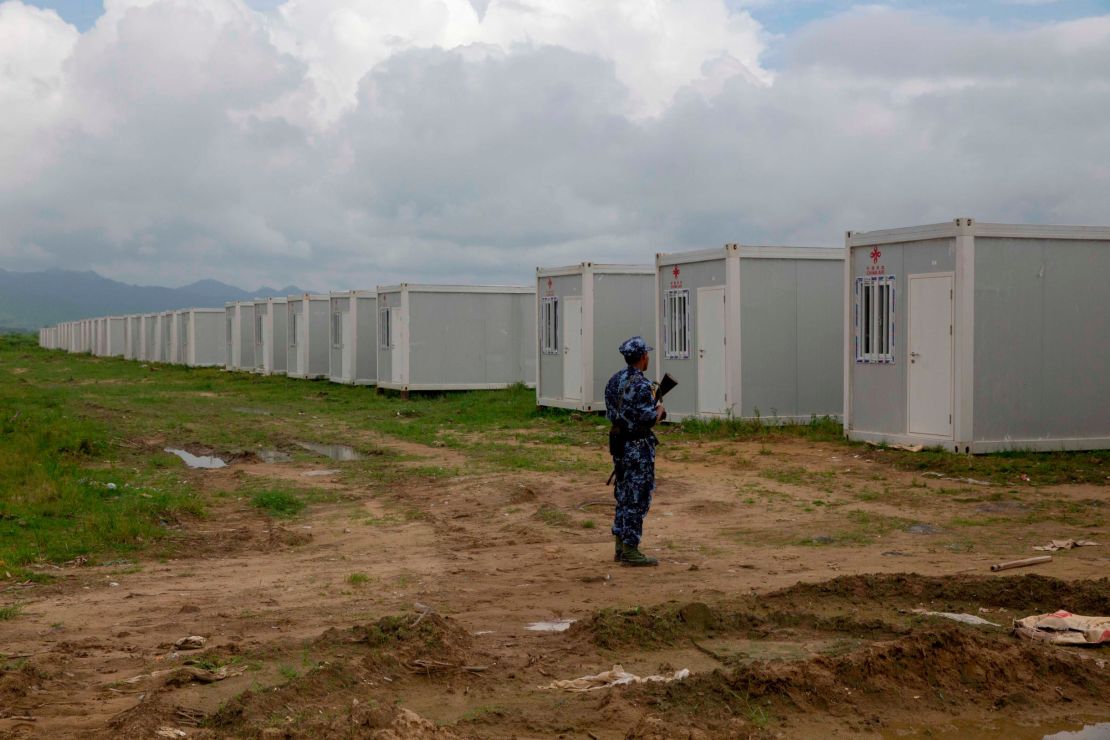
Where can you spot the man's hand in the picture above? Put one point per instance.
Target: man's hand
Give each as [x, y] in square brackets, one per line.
[660, 412]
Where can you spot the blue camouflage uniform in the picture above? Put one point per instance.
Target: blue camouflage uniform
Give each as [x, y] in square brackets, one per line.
[630, 403]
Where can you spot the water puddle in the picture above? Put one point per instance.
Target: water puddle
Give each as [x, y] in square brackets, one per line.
[1002, 728]
[339, 453]
[198, 461]
[557, 625]
[273, 456]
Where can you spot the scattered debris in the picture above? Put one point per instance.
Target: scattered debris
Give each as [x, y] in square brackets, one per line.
[1064, 628]
[904, 448]
[1055, 545]
[923, 528]
[615, 677]
[965, 618]
[205, 462]
[192, 642]
[557, 625]
[170, 732]
[319, 473]
[1021, 563]
[942, 476]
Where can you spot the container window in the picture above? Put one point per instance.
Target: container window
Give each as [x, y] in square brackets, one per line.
[874, 319]
[336, 330]
[258, 329]
[676, 324]
[293, 329]
[385, 330]
[549, 325]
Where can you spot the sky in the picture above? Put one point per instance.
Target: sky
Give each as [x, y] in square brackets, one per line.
[344, 144]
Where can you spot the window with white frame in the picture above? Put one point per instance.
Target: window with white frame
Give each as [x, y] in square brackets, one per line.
[676, 324]
[549, 325]
[293, 329]
[230, 335]
[385, 329]
[258, 329]
[874, 317]
[336, 329]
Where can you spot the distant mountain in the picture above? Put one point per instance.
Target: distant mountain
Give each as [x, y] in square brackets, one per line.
[29, 300]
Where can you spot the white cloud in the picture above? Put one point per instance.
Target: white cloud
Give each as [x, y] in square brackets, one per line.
[348, 144]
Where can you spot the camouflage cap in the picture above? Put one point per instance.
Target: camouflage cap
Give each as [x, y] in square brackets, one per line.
[634, 348]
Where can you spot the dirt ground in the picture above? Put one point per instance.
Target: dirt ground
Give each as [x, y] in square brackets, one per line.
[788, 577]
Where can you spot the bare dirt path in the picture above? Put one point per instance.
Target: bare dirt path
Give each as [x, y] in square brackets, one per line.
[468, 562]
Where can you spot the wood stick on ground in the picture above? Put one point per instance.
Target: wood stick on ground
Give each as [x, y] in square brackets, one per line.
[1021, 563]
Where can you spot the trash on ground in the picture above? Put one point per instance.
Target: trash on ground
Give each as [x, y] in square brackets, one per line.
[1064, 628]
[198, 461]
[1021, 563]
[556, 625]
[965, 618]
[923, 528]
[615, 677]
[1055, 545]
[942, 476]
[192, 642]
[170, 732]
[319, 473]
[904, 448]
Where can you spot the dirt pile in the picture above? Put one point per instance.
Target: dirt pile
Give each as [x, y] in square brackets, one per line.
[944, 669]
[424, 643]
[1030, 592]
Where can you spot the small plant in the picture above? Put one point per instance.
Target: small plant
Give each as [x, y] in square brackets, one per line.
[588, 524]
[288, 672]
[553, 517]
[10, 612]
[358, 579]
[277, 503]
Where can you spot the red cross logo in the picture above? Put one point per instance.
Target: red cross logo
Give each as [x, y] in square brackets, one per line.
[549, 283]
[875, 255]
[676, 272]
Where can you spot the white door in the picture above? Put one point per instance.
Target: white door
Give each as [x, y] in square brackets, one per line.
[395, 340]
[572, 348]
[710, 316]
[930, 355]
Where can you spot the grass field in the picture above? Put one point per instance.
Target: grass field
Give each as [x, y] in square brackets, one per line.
[83, 474]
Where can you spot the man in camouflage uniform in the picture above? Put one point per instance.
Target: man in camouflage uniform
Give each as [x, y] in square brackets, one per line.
[631, 406]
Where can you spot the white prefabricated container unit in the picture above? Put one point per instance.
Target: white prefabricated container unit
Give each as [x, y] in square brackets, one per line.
[115, 336]
[100, 332]
[585, 311]
[148, 322]
[239, 335]
[455, 337]
[165, 336]
[270, 350]
[133, 333]
[308, 354]
[751, 332]
[978, 337]
[177, 337]
[354, 337]
[204, 337]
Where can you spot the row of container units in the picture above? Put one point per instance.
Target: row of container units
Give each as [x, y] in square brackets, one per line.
[968, 336]
[189, 337]
[406, 337]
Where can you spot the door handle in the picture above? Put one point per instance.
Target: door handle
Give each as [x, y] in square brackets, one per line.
[914, 354]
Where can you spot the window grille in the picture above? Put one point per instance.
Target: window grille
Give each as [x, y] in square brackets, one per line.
[874, 319]
[676, 324]
[549, 325]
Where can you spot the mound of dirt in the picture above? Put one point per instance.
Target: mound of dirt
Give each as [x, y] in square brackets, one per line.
[1028, 592]
[945, 669]
[16, 683]
[422, 643]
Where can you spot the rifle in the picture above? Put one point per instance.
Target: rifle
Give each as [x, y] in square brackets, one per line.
[662, 388]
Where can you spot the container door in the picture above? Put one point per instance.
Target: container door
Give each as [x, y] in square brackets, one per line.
[710, 313]
[929, 337]
[572, 348]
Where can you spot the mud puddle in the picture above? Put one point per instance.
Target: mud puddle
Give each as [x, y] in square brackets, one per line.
[339, 453]
[1075, 730]
[204, 462]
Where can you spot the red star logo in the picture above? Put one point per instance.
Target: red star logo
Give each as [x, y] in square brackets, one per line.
[676, 272]
[875, 255]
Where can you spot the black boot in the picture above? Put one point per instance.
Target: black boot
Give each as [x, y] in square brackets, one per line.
[632, 557]
[618, 549]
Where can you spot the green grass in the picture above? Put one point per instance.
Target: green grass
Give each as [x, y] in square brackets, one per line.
[10, 612]
[553, 517]
[358, 579]
[278, 503]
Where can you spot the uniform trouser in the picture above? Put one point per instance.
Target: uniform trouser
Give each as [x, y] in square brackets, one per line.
[633, 490]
